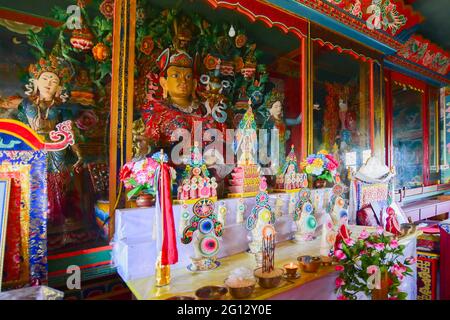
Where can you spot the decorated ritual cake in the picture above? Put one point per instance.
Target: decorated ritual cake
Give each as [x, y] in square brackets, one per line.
[196, 181]
[289, 177]
[245, 178]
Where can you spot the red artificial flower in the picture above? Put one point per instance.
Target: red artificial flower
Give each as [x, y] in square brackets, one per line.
[87, 120]
[342, 297]
[125, 172]
[210, 62]
[107, 8]
[332, 164]
[339, 268]
[147, 45]
[241, 40]
[339, 282]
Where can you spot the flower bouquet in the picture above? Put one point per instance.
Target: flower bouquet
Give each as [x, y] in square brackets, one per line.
[322, 165]
[371, 265]
[139, 177]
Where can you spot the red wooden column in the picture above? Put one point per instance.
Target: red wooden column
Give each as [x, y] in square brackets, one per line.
[372, 107]
[389, 118]
[426, 137]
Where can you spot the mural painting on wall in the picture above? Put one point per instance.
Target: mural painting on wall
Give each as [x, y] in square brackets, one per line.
[63, 74]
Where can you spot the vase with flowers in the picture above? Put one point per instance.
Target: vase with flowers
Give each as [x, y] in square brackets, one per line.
[139, 179]
[321, 167]
[371, 264]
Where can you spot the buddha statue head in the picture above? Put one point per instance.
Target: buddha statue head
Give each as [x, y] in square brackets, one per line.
[47, 80]
[177, 77]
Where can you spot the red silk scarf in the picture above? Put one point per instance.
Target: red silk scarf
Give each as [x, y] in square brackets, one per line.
[169, 252]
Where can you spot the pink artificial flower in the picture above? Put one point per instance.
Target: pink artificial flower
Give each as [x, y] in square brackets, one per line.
[339, 268]
[339, 282]
[411, 260]
[339, 254]
[393, 244]
[363, 235]
[332, 162]
[392, 298]
[398, 270]
[339, 245]
[349, 241]
[380, 230]
[141, 177]
[372, 269]
[379, 246]
[369, 244]
[342, 297]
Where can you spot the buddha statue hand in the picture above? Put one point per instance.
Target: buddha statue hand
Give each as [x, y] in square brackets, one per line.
[78, 166]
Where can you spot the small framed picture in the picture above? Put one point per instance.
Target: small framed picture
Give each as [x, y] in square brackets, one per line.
[5, 186]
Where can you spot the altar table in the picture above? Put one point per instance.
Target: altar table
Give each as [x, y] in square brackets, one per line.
[318, 286]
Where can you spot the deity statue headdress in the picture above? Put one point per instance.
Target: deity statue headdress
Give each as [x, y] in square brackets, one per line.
[52, 64]
[178, 59]
[273, 97]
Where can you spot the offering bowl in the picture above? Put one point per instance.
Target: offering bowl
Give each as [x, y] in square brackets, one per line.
[211, 293]
[308, 263]
[269, 280]
[240, 290]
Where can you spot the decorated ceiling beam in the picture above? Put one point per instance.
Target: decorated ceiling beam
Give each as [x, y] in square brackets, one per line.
[27, 18]
[269, 15]
[423, 52]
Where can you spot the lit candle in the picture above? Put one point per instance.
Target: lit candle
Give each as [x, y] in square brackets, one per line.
[291, 269]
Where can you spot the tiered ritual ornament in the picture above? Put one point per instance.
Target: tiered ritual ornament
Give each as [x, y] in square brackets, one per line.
[289, 179]
[304, 217]
[196, 181]
[204, 229]
[245, 177]
[260, 216]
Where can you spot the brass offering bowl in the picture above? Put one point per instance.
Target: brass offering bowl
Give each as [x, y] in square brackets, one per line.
[211, 292]
[181, 298]
[326, 261]
[309, 264]
[241, 292]
[269, 280]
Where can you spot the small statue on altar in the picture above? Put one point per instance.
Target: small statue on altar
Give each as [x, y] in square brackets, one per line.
[275, 120]
[42, 109]
[141, 143]
[245, 177]
[260, 216]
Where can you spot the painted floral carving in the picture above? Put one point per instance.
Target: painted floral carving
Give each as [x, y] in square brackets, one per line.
[425, 53]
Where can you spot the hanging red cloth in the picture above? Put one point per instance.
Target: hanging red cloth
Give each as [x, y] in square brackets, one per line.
[169, 252]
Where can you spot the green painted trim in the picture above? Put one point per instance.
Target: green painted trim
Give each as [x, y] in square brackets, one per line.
[31, 14]
[80, 260]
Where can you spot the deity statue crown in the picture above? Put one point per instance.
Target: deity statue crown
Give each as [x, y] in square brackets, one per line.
[52, 64]
[273, 97]
[178, 59]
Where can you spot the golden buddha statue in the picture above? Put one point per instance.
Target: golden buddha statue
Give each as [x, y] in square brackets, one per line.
[179, 108]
